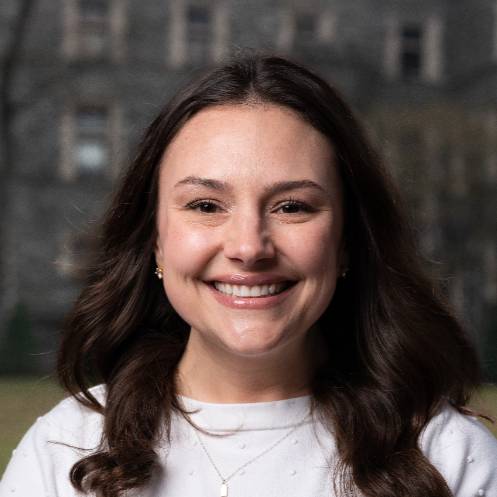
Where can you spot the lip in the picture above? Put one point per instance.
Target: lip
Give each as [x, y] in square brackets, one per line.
[236, 302]
[250, 279]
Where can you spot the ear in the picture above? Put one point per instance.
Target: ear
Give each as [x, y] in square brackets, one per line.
[158, 253]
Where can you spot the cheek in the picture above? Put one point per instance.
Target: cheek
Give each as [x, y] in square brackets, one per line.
[186, 248]
[314, 251]
[187, 252]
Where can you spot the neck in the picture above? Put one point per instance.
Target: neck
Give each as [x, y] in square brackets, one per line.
[209, 374]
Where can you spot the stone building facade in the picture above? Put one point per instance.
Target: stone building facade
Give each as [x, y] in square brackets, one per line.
[85, 77]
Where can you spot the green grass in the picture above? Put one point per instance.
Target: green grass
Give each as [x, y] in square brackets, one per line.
[22, 400]
[485, 402]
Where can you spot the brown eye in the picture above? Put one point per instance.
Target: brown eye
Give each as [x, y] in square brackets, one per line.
[204, 206]
[294, 207]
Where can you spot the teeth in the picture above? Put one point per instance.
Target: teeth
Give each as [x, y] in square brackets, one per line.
[249, 291]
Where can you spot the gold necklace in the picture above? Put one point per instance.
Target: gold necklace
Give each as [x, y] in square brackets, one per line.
[224, 480]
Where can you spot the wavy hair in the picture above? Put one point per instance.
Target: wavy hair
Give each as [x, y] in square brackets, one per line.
[396, 354]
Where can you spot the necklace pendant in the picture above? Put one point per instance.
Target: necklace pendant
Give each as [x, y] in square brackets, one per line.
[224, 489]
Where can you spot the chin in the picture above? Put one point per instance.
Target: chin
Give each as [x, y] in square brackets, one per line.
[254, 343]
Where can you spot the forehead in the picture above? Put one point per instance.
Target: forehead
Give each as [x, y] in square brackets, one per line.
[248, 143]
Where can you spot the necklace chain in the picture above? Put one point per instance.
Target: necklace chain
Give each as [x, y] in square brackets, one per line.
[224, 480]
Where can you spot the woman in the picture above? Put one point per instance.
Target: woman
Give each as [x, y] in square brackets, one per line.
[258, 320]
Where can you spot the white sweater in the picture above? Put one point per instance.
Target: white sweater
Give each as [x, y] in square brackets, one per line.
[461, 448]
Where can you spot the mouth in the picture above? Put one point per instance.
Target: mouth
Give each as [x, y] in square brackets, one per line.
[251, 291]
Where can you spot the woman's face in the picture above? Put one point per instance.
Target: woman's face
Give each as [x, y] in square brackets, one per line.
[249, 227]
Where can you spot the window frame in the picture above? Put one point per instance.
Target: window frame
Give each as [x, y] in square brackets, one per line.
[110, 134]
[113, 26]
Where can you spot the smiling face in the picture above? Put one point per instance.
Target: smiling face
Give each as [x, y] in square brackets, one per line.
[249, 227]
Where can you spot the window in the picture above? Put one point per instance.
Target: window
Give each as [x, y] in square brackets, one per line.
[91, 146]
[93, 10]
[90, 138]
[198, 32]
[199, 23]
[414, 49]
[93, 30]
[411, 51]
[305, 27]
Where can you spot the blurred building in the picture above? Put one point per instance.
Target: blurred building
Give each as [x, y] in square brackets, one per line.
[82, 78]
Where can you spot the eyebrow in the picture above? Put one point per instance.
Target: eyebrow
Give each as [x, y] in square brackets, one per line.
[278, 187]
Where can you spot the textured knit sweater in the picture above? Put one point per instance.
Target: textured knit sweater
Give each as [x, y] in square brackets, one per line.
[264, 449]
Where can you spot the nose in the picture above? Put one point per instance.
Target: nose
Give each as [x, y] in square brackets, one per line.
[247, 240]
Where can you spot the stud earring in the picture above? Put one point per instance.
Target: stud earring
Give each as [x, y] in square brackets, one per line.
[159, 272]
[344, 272]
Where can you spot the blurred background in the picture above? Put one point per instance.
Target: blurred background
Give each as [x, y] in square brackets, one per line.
[80, 80]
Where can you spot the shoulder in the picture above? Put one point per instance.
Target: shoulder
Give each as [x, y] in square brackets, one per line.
[68, 424]
[73, 423]
[464, 452]
[43, 459]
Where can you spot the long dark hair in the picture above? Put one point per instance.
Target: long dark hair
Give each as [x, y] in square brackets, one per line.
[396, 354]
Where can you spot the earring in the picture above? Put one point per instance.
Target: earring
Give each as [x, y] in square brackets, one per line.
[159, 272]
[344, 272]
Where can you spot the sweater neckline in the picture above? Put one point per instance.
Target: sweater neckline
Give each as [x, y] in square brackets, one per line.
[252, 416]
